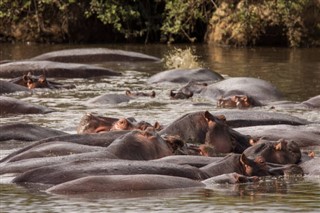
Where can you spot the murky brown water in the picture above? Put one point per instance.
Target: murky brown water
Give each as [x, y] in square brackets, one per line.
[296, 72]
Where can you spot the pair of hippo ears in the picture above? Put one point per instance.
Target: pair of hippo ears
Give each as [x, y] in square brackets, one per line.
[32, 78]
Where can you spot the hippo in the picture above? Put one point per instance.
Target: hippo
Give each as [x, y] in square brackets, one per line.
[259, 90]
[152, 94]
[9, 106]
[8, 87]
[280, 152]
[238, 101]
[40, 81]
[110, 99]
[94, 55]
[26, 132]
[101, 140]
[53, 69]
[131, 124]
[127, 183]
[311, 167]
[241, 118]
[70, 170]
[185, 76]
[54, 148]
[313, 102]
[144, 145]
[204, 128]
[91, 123]
[303, 135]
[180, 95]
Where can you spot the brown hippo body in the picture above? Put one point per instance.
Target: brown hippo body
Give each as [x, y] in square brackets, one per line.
[127, 183]
[59, 173]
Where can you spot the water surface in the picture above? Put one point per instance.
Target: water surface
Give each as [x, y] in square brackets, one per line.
[296, 72]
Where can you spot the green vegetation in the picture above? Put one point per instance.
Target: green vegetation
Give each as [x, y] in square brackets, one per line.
[227, 22]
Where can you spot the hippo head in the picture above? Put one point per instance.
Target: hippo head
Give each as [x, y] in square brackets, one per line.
[280, 152]
[254, 167]
[236, 101]
[193, 87]
[143, 145]
[130, 124]
[222, 137]
[152, 94]
[94, 124]
[180, 95]
[33, 82]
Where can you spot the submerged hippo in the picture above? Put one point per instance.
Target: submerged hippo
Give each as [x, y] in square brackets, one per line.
[30, 81]
[53, 69]
[241, 118]
[26, 132]
[94, 55]
[238, 101]
[259, 90]
[152, 94]
[303, 135]
[91, 123]
[14, 106]
[120, 183]
[204, 128]
[280, 152]
[110, 99]
[185, 75]
[8, 87]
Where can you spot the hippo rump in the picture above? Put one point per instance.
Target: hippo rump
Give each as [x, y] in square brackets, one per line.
[311, 167]
[185, 75]
[53, 69]
[313, 102]
[14, 106]
[241, 118]
[8, 87]
[303, 135]
[94, 55]
[120, 183]
[26, 132]
[110, 99]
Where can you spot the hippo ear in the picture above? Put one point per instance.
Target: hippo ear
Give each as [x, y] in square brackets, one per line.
[153, 94]
[172, 94]
[280, 145]
[208, 116]
[157, 126]
[128, 92]
[222, 118]
[25, 78]
[42, 79]
[244, 160]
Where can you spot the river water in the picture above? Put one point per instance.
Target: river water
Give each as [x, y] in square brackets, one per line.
[296, 72]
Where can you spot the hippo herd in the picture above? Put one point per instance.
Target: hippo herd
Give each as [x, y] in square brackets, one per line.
[229, 142]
